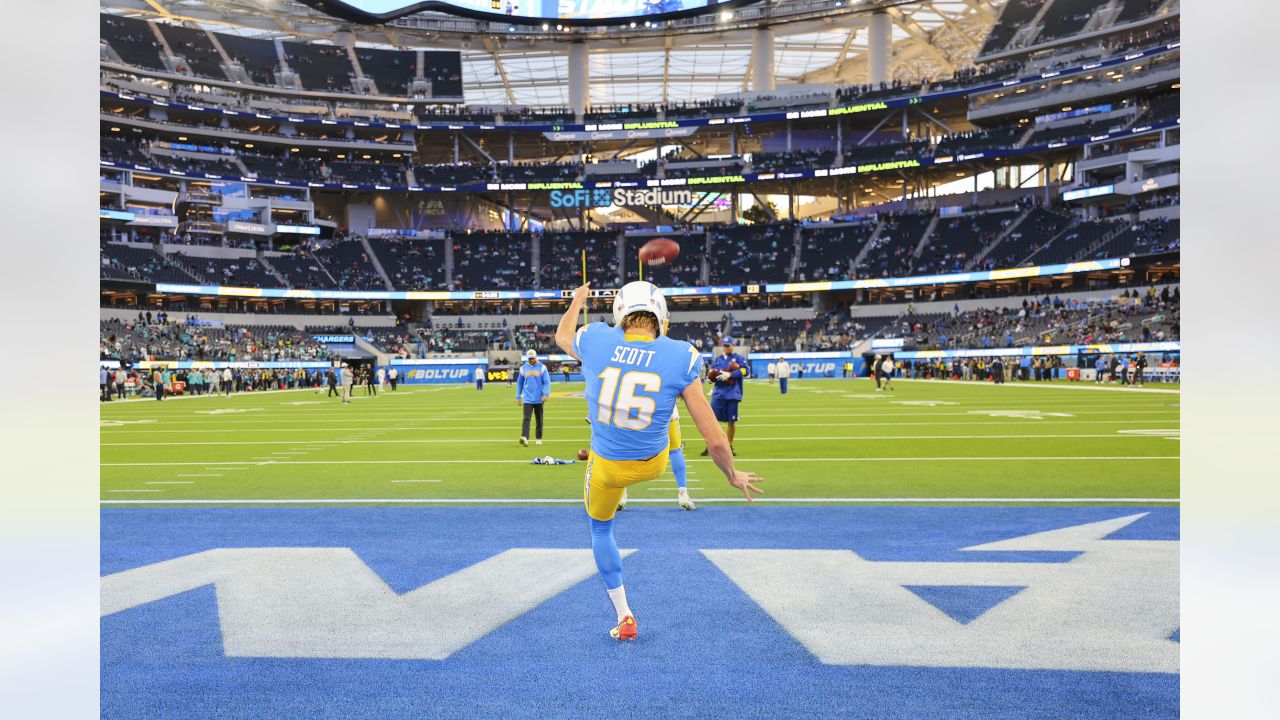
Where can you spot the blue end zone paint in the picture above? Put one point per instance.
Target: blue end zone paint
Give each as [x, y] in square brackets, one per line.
[965, 603]
[706, 649]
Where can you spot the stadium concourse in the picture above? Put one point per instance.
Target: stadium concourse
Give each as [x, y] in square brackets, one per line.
[329, 241]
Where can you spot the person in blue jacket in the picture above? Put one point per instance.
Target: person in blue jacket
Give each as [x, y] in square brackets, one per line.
[727, 392]
[533, 387]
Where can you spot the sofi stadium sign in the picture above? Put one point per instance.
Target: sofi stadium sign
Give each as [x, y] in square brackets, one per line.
[595, 198]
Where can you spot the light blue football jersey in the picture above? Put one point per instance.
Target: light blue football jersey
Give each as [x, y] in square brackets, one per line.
[632, 386]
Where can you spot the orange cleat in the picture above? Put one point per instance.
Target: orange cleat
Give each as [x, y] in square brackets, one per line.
[626, 630]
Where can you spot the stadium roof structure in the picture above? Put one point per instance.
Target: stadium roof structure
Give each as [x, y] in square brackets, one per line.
[816, 42]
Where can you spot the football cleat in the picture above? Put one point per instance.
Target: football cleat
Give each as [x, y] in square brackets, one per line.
[622, 504]
[538, 441]
[626, 630]
[524, 441]
[682, 497]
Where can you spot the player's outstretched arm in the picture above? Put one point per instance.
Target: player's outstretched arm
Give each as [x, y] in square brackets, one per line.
[569, 321]
[717, 443]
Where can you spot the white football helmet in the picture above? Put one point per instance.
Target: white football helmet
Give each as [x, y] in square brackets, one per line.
[640, 296]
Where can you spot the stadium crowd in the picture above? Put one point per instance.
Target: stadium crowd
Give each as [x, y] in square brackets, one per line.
[193, 339]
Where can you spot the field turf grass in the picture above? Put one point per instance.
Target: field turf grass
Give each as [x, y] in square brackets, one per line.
[838, 440]
[1025, 535]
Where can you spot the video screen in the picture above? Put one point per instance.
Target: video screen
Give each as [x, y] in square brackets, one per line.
[524, 9]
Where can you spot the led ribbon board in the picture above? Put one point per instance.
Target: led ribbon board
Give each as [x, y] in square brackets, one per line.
[964, 277]
[525, 12]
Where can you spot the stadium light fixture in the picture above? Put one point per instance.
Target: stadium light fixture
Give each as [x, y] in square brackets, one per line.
[115, 129]
[248, 146]
[726, 15]
[293, 150]
[546, 26]
[182, 137]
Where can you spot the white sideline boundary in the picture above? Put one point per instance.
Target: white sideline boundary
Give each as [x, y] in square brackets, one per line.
[234, 394]
[281, 462]
[1083, 385]
[576, 501]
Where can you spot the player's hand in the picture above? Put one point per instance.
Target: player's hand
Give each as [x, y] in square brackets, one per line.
[745, 481]
[544, 398]
[582, 292]
[519, 401]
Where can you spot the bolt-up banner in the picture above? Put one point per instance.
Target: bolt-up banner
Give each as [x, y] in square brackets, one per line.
[437, 371]
[803, 364]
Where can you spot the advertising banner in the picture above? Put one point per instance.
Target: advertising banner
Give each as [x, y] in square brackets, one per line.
[803, 364]
[438, 371]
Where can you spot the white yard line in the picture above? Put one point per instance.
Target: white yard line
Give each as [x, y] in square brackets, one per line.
[577, 501]
[416, 481]
[578, 440]
[582, 426]
[133, 491]
[177, 482]
[745, 460]
[451, 423]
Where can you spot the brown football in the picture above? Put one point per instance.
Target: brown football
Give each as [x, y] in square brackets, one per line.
[659, 251]
[733, 366]
[583, 454]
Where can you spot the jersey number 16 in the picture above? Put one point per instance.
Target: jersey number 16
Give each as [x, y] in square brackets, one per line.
[618, 398]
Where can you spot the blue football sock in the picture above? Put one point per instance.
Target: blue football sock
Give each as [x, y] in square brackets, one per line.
[608, 559]
[678, 466]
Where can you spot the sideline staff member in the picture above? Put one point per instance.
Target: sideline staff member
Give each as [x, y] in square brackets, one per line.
[533, 387]
[727, 392]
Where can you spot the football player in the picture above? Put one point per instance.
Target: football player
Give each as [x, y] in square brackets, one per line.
[728, 370]
[634, 373]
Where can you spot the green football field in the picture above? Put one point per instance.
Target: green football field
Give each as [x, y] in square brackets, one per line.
[832, 440]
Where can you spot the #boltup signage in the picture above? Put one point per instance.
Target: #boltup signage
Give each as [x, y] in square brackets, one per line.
[438, 371]
[803, 364]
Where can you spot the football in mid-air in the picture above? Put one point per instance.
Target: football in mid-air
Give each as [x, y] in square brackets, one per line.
[659, 251]
[583, 454]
